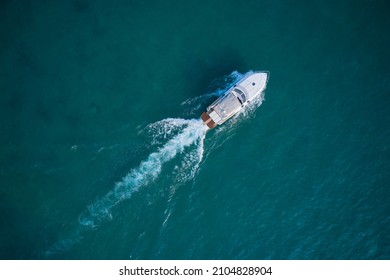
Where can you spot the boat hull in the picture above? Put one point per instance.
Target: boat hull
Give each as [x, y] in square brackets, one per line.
[235, 98]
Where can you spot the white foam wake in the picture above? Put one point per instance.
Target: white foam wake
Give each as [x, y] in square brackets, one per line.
[179, 135]
[150, 169]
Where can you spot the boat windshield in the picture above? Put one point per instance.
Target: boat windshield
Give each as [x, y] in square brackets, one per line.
[240, 95]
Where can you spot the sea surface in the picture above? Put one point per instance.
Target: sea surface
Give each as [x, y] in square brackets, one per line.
[103, 155]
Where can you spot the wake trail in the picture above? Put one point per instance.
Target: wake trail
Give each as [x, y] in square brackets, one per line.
[188, 133]
[146, 173]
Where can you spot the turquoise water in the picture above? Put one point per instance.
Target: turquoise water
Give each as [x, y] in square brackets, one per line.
[103, 155]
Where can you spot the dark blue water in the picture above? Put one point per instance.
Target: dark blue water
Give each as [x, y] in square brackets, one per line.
[102, 155]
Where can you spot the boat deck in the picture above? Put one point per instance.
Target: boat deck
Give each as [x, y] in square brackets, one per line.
[208, 120]
[227, 106]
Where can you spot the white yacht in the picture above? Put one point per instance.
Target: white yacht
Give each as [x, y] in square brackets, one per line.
[235, 98]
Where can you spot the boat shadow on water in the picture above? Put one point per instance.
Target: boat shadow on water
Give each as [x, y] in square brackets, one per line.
[216, 64]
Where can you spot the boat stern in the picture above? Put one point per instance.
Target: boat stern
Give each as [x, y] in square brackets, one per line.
[207, 120]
